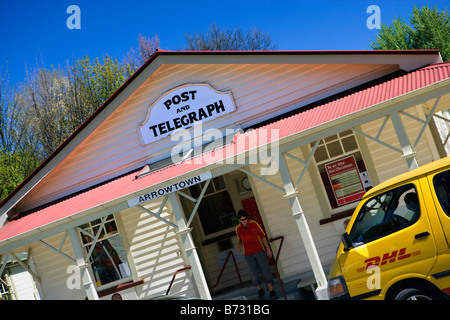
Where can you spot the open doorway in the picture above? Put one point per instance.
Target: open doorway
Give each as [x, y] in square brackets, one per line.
[214, 226]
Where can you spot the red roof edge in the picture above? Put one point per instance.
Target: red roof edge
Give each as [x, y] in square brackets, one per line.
[302, 52]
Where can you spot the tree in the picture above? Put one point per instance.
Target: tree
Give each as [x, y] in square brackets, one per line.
[36, 116]
[429, 29]
[136, 57]
[229, 40]
[15, 161]
[96, 81]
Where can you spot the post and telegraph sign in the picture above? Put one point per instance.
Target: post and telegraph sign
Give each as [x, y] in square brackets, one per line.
[182, 108]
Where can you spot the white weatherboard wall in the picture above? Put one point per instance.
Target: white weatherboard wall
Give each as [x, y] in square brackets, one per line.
[155, 252]
[389, 163]
[23, 286]
[52, 269]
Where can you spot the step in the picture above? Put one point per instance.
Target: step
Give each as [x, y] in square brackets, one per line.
[251, 293]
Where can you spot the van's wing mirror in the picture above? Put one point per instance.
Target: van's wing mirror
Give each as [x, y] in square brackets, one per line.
[346, 241]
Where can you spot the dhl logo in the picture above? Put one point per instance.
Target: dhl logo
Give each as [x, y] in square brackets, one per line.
[389, 257]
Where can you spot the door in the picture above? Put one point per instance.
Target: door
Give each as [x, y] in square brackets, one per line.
[251, 207]
[391, 239]
[441, 197]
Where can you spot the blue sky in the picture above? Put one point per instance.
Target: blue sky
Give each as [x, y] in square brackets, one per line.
[31, 30]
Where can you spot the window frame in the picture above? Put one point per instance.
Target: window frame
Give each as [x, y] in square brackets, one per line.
[215, 191]
[358, 152]
[401, 191]
[445, 208]
[91, 232]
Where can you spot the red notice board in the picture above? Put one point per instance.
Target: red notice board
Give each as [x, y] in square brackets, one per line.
[345, 180]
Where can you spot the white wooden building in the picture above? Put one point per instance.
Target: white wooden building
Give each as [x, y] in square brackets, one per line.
[149, 185]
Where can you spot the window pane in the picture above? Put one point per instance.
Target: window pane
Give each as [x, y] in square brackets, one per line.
[111, 227]
[385, 214]
[102, 232]
[197, 189]
[108, 259]
[349, 143]
[331, 138]
[313, 143]
[219, 183]
[442, 186]
[215, 212]
[109, 262]
[321, 154]
[96, 222]
[210, 188]
[345, 133]
[334, 149]
[85, 238]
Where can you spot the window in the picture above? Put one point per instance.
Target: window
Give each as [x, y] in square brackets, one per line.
[349, 180]
[441, 183]
[385, 214]
[216, 210]
[108, 259]
[5, 286]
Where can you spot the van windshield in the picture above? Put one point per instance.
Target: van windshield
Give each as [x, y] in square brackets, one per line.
[386, 213]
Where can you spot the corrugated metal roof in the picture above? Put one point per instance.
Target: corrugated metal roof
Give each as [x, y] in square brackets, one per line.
[129, 184]
[362, 99]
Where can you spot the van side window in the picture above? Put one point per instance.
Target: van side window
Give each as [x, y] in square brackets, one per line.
[441, 183]
[385, 214]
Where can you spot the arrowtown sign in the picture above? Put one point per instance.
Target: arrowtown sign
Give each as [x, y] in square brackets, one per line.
[183, 107]
[174, 187]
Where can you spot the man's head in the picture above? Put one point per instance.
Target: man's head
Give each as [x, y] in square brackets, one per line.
[243, 217]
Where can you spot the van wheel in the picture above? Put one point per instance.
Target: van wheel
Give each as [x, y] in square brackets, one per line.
[418, 293]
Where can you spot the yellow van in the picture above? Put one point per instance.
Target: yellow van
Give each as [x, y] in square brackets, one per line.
[397, 243]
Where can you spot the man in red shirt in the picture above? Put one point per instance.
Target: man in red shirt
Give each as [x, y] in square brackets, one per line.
[253, 241]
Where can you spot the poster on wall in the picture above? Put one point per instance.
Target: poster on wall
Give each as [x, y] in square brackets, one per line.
[345, 180]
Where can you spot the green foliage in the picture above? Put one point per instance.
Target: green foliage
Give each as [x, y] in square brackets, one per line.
[14, 168]
[428, 29]
[96, 80]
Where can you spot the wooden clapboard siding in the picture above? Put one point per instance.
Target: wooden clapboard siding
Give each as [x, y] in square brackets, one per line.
[388, 163]
[52, 268]
[22, 283]
[155, 252]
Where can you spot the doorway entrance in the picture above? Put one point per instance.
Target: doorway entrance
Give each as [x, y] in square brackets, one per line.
[214, 226]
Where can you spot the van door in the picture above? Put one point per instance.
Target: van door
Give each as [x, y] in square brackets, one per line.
[441, 197]
[440, 182]
[390, 239]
